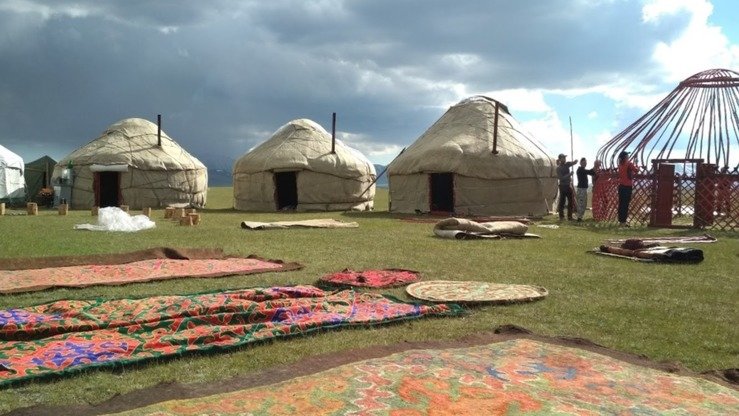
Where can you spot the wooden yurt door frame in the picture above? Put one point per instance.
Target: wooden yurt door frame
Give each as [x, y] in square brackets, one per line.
[286, 189]
[437, 181]
[97, 187]
[694, 193]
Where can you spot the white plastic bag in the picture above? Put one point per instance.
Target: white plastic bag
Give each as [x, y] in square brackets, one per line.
[115, 219]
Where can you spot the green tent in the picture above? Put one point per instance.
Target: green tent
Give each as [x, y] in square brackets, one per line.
[38, 175]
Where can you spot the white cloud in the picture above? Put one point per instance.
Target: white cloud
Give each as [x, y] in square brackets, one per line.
[701, 46]
[554, 135]
[461, 60]
[519, 100]
[168, 29]
[46, 12]
[376, 151]
[592, 115]
[603, 137]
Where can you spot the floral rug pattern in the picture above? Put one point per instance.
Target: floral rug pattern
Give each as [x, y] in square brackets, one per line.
[138, 271]
[66, 336]
[379, 278]
[520, 376]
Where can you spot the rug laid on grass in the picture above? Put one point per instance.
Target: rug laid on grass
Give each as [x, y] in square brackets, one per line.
[433, 220]
[516, 376]
[705, 238]
[31, 274]
[653, 254]
[468, 291]
[464, 229]
[370, 278]
[318, 223]
[67, 336]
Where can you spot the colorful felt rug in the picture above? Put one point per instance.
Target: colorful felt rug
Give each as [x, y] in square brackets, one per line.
[519, 376]
[473, 292]
[71, 335]
[371, 278]
[142, 270]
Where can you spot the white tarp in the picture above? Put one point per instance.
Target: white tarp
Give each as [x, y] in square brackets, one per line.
[12, 182]
[115, 219]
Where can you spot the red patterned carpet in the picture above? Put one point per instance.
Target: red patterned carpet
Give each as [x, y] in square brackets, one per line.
[381, 278]
[32, 274]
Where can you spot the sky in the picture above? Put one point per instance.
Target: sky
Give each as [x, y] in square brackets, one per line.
[226, 74]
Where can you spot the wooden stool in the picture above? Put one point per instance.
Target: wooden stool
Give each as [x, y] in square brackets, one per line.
[189, 211]
[63, 209]
[168, 212]
[186, 220]
[195, 218]
[147, 211]
[94, 211]
[178, 213]
[32, 208]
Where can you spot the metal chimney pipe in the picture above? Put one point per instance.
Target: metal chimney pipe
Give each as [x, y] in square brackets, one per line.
[159, 130]
[333, 133]
[495, 130]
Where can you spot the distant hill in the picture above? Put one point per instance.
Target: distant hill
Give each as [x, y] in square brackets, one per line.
[382, 182]
[219, 177]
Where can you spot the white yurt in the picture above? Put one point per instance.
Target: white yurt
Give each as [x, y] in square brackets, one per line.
[133, 163]
[296, 169]
[12, 182]
[475, 160]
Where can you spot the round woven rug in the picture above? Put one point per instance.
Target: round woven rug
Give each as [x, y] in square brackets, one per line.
[474, 292]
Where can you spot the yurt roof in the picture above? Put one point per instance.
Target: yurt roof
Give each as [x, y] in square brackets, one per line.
[303, 144]
[9, 159]
[696, 120]
[41, 163]
[134, 142]
[463, 140]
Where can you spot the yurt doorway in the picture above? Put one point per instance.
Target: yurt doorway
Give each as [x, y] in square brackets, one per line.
[286, 190]
[108, 187]
[442, 192]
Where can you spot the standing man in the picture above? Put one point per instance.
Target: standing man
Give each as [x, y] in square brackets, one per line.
[626, 172]
[582, 187]
[564, 175]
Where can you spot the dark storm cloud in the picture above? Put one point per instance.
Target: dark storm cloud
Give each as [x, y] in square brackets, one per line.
[226, 74]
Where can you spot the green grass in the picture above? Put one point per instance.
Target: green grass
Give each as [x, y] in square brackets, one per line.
[685, 313]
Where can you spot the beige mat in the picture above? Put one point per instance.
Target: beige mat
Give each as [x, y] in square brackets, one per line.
[463, 229]
[474, 292]
[318, 223]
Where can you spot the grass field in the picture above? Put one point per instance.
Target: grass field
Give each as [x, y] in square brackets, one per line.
[684, 313]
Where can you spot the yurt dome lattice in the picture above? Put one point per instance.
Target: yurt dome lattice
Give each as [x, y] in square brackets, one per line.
[475, 160]
[295, 169]
[688, 149]
[134, 163]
